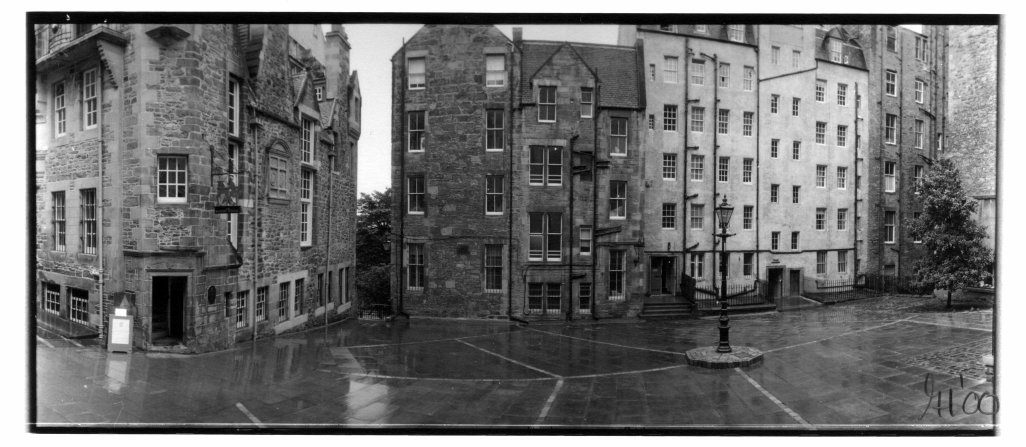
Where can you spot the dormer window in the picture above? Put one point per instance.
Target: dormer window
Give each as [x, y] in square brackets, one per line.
[319, 93]
[835, 50]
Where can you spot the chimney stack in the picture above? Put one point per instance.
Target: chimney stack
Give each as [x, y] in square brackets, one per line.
[518, 35]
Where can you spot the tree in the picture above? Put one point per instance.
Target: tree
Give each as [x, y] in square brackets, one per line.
[373, 228]
[954, 254]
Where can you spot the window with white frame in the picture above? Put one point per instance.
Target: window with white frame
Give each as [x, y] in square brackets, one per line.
[415, 266]
[889, 219]
[319, 93]
[795, 103]
[919, 131]
[835, 50]
[774, 104]
[415, 131]
[922, 48]
[495, 65]
[278, 183]
[651, 72]
[919, 238]
[547, 104]
[795, 191]
[493, 268]
[261, 303]
[545, 237]
[60, 111]
[842, 177]
[917, 176]
[749, 78]
[723, 169]
[891, 83]
[617, 136]
[747, 216]
[669, 166]
[724, 75]
[306, 208]
[587, 102]
[416, 73]
[495, 130]
[697, 168]
[416, 201]
[698, 72]
[234, 99]
[723, 121]
[820, 90]
[172, 179]
[697, 119]
[670, 69]
[79, 309]
[284, 300]
[842, 94]
[796, 150]
[747, 122]
[494, 192]
[697, 266]
[796, 58]
[775, 240]
[821, 219]
[704, 29]
[584, 235]
[242, 309]
[651, 121]
[670, 117]
[890, 177]
[297, 302]
[736, 33]
[891, 39]
[842, 136]
[748, 264]
[820, 132]
[546, 166]
[821, 176]
[746, 170]
[794, 240]
[774, 193]
[842, 261]
[543, 298]
[775, 55]
[775, 148]
[669, 220]
[617, 199]
[52, 298]
[842, 219]
[920, 88]
[890, 129]
[617, 271]
[697, 217]
[90, 98]
[821, 262]
[584, 297]
[87, 213]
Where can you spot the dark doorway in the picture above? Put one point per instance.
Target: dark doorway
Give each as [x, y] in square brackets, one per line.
[168, 314]
[776, 284]
[796, 282]
[662, 276]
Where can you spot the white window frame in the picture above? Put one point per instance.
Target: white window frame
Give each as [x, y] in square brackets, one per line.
[796, 150]
[723, 121]
[493, 270]
[416, 134]
[617, 274]
[746, 170]
[890, 218]
[615, 149]
[775, 148]
[821, 90]
[544, 106]
[704, 29]
[261, 303]
[915, 216]
[748, 264]
[835, 51]
[842, 219]
[821, 223]
[52, 298]
[697, 119]
[585, 241]
[495, 130]
[697, 72]
[891, 83]
[308, 133]
[551, 173]
[842, 177]
[587, 102]
[747, 217]
[820, 132]
[842, 261]
[821, 262]
[669, 216]
[821, 176]
[919, 133]
[617, 200]
[736, 33]
[545, 235]
[920, 91]
[284, 301]
[278, 170]
[90, 98]
[87, 213]
[775, 240]
[922, 48]
[233, 106]
[60, 220]
[724, 81]
[306, 211]
[890, 176]
[670, 69]
[795, 106]
[696, 168]
[774, 104]
[796, 194]
[696, 219]
[774, 193]
[494, 194]
[60, 110]
[890, 129]
[416, 196]
[416, 270]
[416, 73]
[918, 171]
[796, 239]
[319, 93]
[747, 122]
[669, 166]
[842, 95]
[749, 79]
[180, 170]
[298, 289]
[842, 135]
[495, 77]
[669, 117]
[723, 169]
[241, 309]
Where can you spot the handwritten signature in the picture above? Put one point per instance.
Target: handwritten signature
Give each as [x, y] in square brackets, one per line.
[972, 402]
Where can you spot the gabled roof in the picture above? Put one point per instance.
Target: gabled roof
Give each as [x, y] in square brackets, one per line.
[327, 109]
[615, 66]
[851, 50]
[298, 84]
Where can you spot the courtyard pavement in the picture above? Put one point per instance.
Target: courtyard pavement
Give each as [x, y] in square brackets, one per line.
[863, 365]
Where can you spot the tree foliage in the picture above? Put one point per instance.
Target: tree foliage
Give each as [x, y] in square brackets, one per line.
[954, 254]
[373, 227]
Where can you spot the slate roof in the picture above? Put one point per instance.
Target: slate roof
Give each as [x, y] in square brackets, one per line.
[616, 66]
[851, 49]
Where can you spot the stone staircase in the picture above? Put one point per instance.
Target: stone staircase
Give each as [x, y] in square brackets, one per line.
[665, 311]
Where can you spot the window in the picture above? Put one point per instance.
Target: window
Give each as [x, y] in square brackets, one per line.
[587, 102]
[842, 94]
[842, 178]
[919, 238]
[306, 209]
[697, 216]
[493, 268]
[858, 141]
[890, 83]
[920, 90]
[415, 131]
[669, 216]
[920, 125]
[669, 166]
[495, 65]
[670, 69]
[584, 296]
[261, 304]
[319, 93]
[821, 176]
[87, 221]
[796, 150]
[547, 104]
[821, 260]
[90, 98]
[278, 169]
[917, 176]
[416, 73]
[747, 123]
[171, 178]
[651, 72]
[746, 170]
[835, 50]
[493, 194]
[891, 123]
[670, 117]
[749, 79]
[233, 107]
[890, 178]
[724, 75]
[794, 193]
[60, 112]
[795, 102]
[697, 269]
[922, 46]
[747, 216]
[775, 240]
[821, 218]
[842, 136]
[320, 288]
[775, 148]
[617, 269]
[242, 309]
[494, 130]
[842, 219]
[416, 203]
[820, 90]
[736, 32]
[79, 311]
[669, 28]
[52, 298]
[775, 55]
[796, 58]
[283, 301]
[546, 166]
[774, 193]
[297, 303]
[723, 169]
[330, 283]
[889, 219]
[585, 237]
[820, 132]
[748, 264]
[543, 298]
[723, 121]
[774, 104]
[308, 147]
[697, 168]
[651, 121]
[891, 39]
[701, 29]
[414, 266]
[545, 236]
[697, 119]
[617, 199]
[842, 261]
[618, 136]
[794, 240]
[698, 72]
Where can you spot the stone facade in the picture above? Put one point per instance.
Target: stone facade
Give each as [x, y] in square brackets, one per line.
[168, 93]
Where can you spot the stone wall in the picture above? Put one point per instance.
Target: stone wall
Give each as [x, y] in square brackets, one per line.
[972, 107]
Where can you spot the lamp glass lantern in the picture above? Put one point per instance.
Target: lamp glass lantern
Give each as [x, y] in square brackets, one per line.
[723, 213]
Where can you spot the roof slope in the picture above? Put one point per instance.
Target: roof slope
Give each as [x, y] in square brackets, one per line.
[616, 67]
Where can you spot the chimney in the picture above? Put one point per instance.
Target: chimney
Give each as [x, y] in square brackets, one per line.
[518, 35]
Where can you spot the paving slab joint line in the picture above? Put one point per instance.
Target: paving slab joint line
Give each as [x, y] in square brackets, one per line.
[548, 403]
[833, 336]
[794, 415]
[249, 415]
[511, 360]
[948, 325]
[45, 342]
[608, 343]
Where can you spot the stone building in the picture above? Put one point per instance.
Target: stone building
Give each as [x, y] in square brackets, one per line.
[223, 206]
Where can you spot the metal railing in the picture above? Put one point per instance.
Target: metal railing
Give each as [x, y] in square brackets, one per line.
[865, 286]
[738, 294]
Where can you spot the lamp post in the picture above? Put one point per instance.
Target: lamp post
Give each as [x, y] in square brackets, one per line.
[723, 212]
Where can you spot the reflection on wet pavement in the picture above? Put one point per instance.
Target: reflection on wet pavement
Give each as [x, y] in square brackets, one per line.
[828, 367]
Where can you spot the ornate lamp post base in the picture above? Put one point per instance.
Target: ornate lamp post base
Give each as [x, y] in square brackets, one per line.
[739, 356]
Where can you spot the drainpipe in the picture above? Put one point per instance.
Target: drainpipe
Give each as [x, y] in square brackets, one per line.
[570, 265]
[256, 216]
[855, 188]
[899, 234]
[758, 161]
[327, 248]
[684, 165]
[509, 178]
[397, 248]
[99, 217]
[594, 195]
[715, 161]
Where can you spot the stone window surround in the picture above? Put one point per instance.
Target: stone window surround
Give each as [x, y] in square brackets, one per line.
[497, 51]
[415, 54]
[489, 109]
[485, 266]
[421, 107]
[548, 142]
[72, 199]
[536, 85]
